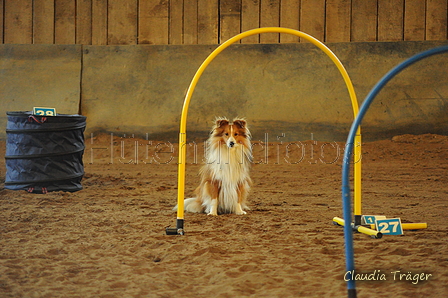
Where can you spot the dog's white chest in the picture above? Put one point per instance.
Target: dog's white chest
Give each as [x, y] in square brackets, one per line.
[229, 166]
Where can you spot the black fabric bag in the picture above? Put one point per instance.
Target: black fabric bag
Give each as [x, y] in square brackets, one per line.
[44, 153]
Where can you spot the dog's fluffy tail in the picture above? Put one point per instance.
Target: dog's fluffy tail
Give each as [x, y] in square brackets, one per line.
[192, 205]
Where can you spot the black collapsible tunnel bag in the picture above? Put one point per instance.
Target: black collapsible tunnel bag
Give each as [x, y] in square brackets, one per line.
[44, 153]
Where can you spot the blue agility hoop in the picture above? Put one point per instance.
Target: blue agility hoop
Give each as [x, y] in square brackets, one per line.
[346, 205]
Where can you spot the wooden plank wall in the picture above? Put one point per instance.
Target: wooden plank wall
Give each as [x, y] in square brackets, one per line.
[129, 22]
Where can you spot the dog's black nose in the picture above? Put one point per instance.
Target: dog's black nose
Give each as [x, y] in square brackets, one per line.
[231, 144]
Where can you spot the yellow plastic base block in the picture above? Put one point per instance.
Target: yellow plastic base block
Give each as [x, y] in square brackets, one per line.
[361, 229]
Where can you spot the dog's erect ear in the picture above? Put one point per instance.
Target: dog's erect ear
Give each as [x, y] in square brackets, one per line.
[221, 122]
[240, 122]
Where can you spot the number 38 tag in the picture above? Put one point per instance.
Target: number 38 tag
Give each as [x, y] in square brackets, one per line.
[44, 111]
[390, 226]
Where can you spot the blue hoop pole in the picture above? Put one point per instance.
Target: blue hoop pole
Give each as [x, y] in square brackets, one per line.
[348, 231]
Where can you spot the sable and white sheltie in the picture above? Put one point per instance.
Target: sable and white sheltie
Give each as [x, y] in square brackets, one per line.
[225, 180]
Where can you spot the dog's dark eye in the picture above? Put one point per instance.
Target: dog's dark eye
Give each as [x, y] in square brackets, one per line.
[227, 133]
[236, 134]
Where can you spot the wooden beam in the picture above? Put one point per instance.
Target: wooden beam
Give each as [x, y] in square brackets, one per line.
[18, 21]
[337, 24]
[390, 20]
[250, 19]
[84, 22]
[208, 20]
[270, 17]
[230, 16]
[312, 18]
[289, 18]
[2, 13]
[43, 22]
[64, 23]
[414, 19]
[436, 20]
[176, 22]
[190, 22]
[364, 20]
[122, 22]
[99, 22]
[153, 21]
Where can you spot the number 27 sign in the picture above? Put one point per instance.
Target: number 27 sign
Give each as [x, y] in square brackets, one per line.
[390, 226]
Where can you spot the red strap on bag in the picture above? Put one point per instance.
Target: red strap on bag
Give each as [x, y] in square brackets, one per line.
[32, 117]
[43, 189]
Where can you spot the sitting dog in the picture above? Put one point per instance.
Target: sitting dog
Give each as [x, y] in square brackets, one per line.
[225, 180]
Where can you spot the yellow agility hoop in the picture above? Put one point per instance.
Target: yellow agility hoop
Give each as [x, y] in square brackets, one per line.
[183, 120]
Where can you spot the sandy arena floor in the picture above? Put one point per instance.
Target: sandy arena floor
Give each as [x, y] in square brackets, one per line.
[108, 240]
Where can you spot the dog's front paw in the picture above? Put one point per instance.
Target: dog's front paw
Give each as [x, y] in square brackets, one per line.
[239, 210]
[212, 213]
